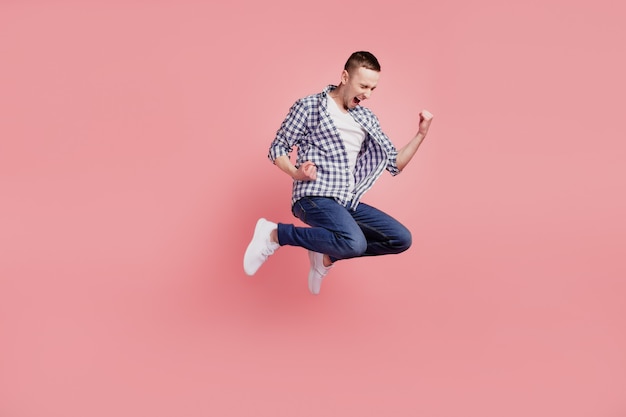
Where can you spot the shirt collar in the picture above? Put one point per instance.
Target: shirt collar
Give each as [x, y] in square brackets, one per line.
[328, 89]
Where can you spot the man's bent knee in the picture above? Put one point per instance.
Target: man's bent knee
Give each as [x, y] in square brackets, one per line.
[403, 241]
[352, 247]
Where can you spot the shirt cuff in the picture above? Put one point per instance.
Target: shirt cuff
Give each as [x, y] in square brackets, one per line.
[275, 152]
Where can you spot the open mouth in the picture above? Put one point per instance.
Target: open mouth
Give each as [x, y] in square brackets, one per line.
[356, 100]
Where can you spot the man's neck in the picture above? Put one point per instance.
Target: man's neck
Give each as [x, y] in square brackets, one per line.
[336, 95]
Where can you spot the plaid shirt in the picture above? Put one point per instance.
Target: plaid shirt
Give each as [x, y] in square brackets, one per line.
[310, 127]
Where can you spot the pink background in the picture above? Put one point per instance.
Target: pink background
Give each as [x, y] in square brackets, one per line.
[133, 141]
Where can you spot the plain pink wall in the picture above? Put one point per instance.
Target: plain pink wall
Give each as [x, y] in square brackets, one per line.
[133, 141]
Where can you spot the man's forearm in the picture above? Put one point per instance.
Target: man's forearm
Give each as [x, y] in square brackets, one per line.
[408, 151]
[284, 163]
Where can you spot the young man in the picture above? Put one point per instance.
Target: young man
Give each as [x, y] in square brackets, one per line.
[342, 151]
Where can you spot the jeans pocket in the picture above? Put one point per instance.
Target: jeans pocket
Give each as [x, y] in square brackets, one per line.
[302, 205]
[298, 210]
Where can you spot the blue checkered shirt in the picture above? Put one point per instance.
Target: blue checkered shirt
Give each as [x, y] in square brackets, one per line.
[309, 127]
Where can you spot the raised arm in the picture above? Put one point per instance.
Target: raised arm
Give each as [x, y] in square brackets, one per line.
[406, 153]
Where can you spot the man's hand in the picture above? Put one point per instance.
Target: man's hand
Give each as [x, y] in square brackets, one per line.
[425, 118]
[306, 172]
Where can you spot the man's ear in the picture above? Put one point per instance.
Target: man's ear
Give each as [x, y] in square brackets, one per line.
[345, 75]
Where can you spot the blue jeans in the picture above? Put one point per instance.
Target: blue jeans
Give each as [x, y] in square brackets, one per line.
[341, 233]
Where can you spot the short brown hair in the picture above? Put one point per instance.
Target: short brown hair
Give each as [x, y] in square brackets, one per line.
[362, 59]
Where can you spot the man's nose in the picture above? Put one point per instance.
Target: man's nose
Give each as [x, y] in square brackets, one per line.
[367, 93]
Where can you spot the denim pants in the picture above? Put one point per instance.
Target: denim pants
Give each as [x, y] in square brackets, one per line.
[341, 233]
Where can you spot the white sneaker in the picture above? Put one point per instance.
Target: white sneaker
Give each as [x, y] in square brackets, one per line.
[317, 272]
[260, 247]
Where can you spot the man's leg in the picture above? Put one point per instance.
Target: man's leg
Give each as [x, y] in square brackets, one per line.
[333, 230]
[333, 235]
[384, 234]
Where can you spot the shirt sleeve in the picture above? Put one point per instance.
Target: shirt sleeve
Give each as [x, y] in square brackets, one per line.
[291, 132]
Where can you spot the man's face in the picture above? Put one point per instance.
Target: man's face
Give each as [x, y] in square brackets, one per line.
[358, 86]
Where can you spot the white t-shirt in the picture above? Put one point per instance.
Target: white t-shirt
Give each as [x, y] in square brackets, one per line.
[351, 133]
